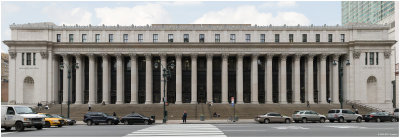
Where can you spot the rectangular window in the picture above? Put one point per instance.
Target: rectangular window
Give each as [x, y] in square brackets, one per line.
[317, 38]
[23, 59]
[140, 37]
[377, 58]
[58, 37]
[217, 38]
[233, 38]
[276, 38]
[83, 38]
[125, 38]
[366, 58]
[28, 59]
[201, 38]
[371, 58]
[341, 37]
[262, 38]
[71, 38]
[170, 38]
[110, 38]
[248, 37]
[291, 38]
[34, 58]
[97, 38]
[186, 38]
[304, 37]
[155, 38]
[330, 37]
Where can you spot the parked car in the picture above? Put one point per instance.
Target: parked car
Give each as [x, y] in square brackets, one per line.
[307, 116]
[379, 117]
[272, 118]
[67, 120]
[52, 121]
[99, 117]
[342, 115]
[135, 118]
[19, 116]
[396, 114]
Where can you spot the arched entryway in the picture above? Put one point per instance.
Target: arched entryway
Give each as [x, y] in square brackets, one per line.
[28, 90]
[372, 89]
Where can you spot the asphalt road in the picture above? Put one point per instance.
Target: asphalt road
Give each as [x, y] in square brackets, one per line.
[372, 129]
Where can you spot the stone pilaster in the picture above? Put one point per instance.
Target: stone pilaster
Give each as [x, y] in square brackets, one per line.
[322, 91]
[310, 78]
[149, 79]
[268, 78]
[224, 79]
[194, 79]
[209, 78]
[106, 79]
[254, 79]
[92, 80]
[120, 92]
[134, 79]
[79, 80]
[178, 78]
[296, 75]
[282, 78]
[239, 79]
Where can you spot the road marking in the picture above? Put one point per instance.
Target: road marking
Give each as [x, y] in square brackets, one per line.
[290, 127]
[206, 130]
[5, 133]
[346, 127]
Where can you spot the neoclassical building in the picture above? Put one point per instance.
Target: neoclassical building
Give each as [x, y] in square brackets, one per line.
[213, 62]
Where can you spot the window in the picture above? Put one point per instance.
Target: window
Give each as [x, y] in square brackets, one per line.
[201, 38]
[248, 37]
[217, 38]
[186, 38]
[28, 59]
[291, 38]
[262, 38]
[170, 38]
[140, 37]
[155, 38]
[125, 38]
[366, 58]
[317, 38]
[110, 38]
[10, 111]
[276, 38]
[83, 38]
[377, 58]
[329, 37]
[71, 38]
[23, 59]
[97, 38]
[304, 37]
[58, 37]
[371, 58]
[34, 58]
[341, 37]
[233, 38]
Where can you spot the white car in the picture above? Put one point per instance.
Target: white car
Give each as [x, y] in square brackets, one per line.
[20, 116]
[342, 115]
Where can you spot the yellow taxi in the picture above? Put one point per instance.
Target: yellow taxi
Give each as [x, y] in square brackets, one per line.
[52, 121]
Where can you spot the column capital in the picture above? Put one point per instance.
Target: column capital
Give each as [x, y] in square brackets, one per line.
[44, 54]
[387, 54]
[284, 57]
[240, 55]
[133, 56]
[225, 56]
[335, 56]
[163, 55]
[78, 56]
[297, 56]
[194, 55]
[178, 55]
[255, 55]
[356, 54]
[104, 55]
[64, 55]
[311, 55]
[90, 55]
[269, 56]
[147, 55]
[119, 56]
[346, 56]
[209, 55]
[323, 56]
[12, 54]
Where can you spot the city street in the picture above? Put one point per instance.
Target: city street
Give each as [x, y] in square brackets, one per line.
[389, 129]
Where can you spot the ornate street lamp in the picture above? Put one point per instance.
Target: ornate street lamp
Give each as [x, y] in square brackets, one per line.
[69, 67]
[166, 75]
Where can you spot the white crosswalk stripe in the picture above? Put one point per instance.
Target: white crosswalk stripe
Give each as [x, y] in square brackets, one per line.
[205, 130]
[5, 133]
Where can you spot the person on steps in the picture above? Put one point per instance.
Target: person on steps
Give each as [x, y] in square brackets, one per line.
[184, 117]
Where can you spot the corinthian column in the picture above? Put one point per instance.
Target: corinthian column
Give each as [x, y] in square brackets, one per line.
[120, 93]
[134, 79]
[282, 78]
[92, 80]
[178, 79]
[310, 78]
[335, 83]
[194, 79]
[149, 80]
[254, 79]
[322, 94]
[65, 78]
[163, 64]
[106, 79]
[239, 79]
[209, 78]
[268, 79]
[224, 79]
[296, 92]
[79, 80]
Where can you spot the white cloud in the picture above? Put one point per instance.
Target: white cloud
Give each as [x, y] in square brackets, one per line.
[68, 16]
[250, 15]
[138, 15]
[9, 8]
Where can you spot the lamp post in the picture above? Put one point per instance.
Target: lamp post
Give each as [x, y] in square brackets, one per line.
[341, 82]
[69, 68]
[166, 74]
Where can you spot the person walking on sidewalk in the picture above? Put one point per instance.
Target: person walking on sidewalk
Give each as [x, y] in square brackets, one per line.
[184, 117]
[90, 107]
[308, 104]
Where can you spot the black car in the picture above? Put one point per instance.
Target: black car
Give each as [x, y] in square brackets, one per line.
[379, 117]
[136, 118]
[99, 117]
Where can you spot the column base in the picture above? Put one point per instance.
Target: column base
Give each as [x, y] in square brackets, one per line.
[224, 102]
[178, 102]
[336, 102]
[283, 102]
[269, 102]
[133, 102]
[239, 102]
[193, 102]
[119, 102]
[296, 102]
[323, 103]
[148, 102]
[78, 102]
[91, 102]
[255, 102]
[107, 102]
[65, 102]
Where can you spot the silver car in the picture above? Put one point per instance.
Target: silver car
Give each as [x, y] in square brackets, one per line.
[342, 115]
[308, 116]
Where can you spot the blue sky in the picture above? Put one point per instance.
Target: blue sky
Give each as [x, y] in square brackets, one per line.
[180, 12]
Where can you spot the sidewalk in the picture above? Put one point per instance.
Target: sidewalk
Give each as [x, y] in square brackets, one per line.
[241, 121]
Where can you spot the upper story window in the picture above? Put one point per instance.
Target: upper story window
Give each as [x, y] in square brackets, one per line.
[110, 38]
[304, 37]
[317, 38]
[34, 58]
[186, 38]
[262, 38]
[201, 38]
[330, 37]
[125, 36]
[233, 38]
[217, 38]
[83, 38]
[28, 59]
[71, 38]
[140, 37]
[155, 38]
[97, 38]
[276, 38]
[23, 58]
[248, 38]
[291, 38]
[170, 38]
[58, 37]
[371, 58]
[342, 37]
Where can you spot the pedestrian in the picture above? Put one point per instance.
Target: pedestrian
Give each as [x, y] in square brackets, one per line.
[40, 106]
[329, 100]
[46, 107]
[308, 104]
[356, 111]
[90, 107]
[352, 106]
[114, 114]
[184, 117]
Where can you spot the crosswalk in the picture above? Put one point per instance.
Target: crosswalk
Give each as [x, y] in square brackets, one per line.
[203, 130]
